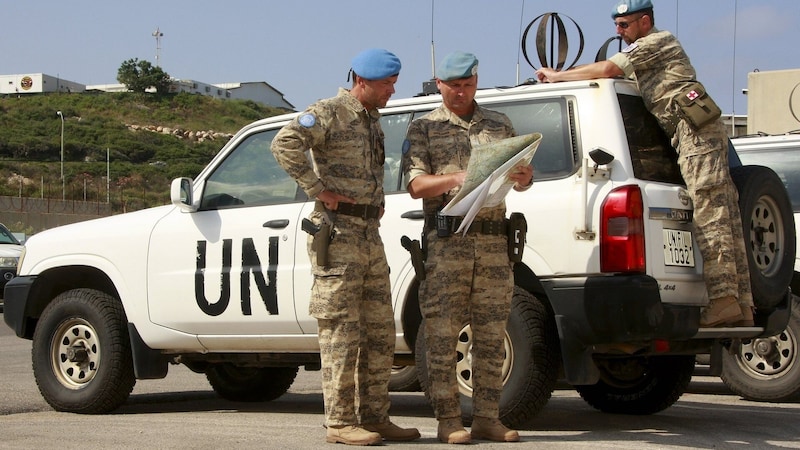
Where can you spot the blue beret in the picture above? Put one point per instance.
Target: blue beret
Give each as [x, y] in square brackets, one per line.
[457, 65]
[626, 7]
[376, 64]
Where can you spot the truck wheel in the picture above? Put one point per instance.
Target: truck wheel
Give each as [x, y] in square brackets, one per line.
[769, 232]
[766, 369]
[82, 354]
[250, 384]
[530, 367]
[639, 385]
[404, 379]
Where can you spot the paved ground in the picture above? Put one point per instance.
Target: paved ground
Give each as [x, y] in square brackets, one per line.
[181, 411]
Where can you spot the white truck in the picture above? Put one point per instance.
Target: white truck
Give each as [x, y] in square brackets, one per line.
[767, 368]
[607, 298]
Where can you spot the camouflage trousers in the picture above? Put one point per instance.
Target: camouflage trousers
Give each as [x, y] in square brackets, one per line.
[703, 160]
[469, 281]
[351, 300]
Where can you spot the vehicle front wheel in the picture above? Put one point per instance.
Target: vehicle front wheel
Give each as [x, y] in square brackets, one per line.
[404, 379]
[639, 385]
[250, 384]
[766, 369]
[81, 353]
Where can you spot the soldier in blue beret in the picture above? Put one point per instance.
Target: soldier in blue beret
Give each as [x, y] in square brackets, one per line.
[687, 114]
[350, 296]
[376, 64]
[628, 7]
[460, 286]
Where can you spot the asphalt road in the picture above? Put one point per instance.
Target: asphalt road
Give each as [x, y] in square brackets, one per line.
[181, 411]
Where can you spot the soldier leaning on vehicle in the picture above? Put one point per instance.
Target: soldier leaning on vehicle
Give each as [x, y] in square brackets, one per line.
[669, 87]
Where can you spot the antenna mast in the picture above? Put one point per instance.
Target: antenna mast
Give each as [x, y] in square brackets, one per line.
[158, 35]
[521, 15]
[433, 48]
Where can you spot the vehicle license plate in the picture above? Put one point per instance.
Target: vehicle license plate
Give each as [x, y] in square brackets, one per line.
[678, 248]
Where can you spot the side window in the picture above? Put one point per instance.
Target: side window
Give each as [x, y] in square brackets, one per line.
[394, 128]
[556, 156]
[249, 176]
[652, 155]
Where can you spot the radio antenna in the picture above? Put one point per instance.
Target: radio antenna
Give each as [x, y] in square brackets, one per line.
[519, 48]
[433, 47]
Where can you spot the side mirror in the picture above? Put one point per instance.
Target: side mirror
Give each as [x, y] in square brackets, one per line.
[180, 193]
[601, 157]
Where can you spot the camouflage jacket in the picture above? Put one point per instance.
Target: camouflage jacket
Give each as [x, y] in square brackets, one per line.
[663, 72]
[441, 142]
[346, 149]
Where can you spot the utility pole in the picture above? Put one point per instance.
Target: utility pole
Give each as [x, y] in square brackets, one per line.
[158, 35]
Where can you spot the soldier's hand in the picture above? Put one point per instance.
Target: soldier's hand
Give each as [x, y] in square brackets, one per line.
[331, 199]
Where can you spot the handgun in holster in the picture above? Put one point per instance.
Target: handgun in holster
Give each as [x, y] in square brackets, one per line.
[417, 259]
[322, 239]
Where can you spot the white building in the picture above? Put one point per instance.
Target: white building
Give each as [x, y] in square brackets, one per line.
[36, 83]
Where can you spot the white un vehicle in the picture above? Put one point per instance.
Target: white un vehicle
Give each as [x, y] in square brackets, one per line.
[607, 298]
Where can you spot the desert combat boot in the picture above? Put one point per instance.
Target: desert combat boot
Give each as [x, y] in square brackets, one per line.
[391, 432]
[721, 311]
[492, 430]
[451, 431]
[352, 435]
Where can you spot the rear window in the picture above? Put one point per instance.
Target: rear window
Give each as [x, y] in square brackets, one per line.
[652, 155]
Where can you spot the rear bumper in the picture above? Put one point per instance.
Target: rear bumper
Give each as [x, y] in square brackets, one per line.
[601, 314]
[618, 314]
[617, 309]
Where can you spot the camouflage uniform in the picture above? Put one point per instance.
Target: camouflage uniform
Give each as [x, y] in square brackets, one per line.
[663, 73]
[469, 278]
[350, 296]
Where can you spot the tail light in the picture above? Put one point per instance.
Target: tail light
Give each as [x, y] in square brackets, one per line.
[622, 231]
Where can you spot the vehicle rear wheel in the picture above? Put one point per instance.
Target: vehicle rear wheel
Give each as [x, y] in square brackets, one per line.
[769, 232]
[766, 368]
[639, 385]
[82, 354]
[250, 384]
[530, 366]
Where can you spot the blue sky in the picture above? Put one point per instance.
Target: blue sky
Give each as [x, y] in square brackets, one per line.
[304, 48]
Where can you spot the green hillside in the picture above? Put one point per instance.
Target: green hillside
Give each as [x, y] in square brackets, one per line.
[141, 162]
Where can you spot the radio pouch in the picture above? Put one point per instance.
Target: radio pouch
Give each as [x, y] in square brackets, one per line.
[517, 229]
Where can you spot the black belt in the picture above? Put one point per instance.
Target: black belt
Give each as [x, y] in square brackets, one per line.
[495, 227]
[352, 209]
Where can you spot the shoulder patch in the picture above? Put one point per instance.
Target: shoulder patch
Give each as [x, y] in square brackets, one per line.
[307, 120]
[630, 48]
[406, 146]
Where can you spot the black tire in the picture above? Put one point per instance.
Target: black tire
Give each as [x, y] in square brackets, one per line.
[82, 353]
[530, 368]
[639, 385]
[250, 384]
[404, 379]
[766, 369]
[769, 232]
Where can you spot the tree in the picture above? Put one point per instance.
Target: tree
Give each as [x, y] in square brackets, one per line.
[138, 76]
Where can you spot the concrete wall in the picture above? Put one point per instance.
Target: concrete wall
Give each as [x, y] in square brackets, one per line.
[773, 101]
[42, 213]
